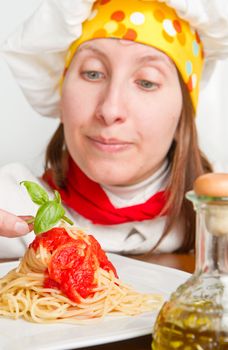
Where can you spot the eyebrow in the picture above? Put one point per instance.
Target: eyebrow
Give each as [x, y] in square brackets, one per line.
[91, 48]
[156, 57]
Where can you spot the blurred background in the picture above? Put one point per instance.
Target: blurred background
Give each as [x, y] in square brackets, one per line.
[24, 134]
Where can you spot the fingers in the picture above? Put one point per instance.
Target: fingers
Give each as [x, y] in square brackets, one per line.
[12, 225]
[29, 220]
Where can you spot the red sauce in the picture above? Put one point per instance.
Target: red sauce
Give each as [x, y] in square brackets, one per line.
[73, 262]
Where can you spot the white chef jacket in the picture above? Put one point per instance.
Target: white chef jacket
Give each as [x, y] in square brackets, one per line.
[128, 238]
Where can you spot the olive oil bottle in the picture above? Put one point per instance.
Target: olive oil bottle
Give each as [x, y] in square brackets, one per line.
[196, 316]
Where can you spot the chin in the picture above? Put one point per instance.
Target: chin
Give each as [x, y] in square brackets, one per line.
[110, 176]
[111, 179]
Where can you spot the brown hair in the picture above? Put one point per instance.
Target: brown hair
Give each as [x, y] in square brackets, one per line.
[186, 163]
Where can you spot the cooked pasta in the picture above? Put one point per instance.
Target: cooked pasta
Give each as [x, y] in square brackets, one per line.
[65, 276]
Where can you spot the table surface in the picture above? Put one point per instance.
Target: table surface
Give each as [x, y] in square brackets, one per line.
[185, 262]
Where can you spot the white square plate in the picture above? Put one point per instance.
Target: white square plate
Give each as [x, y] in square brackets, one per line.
[144, 277]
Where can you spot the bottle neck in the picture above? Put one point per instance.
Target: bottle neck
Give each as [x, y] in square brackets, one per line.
[212, 239]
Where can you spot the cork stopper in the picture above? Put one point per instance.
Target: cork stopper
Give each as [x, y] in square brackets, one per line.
[212, 185]
[216, 215]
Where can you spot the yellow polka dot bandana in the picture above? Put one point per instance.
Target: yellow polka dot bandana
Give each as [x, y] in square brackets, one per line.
[147, 22]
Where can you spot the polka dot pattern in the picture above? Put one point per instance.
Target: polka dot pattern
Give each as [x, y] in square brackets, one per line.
[137, 18]
[121, 30]
[181, 38]
[100, 33]
[197, 38]
[111, 27]
[189, 84]
[194, 80]
[118, 16]
[195, 48]
[167, 37]
[159, 15]
[130, 35]
[189, 67]
[169, 27]
[177, 26]
[148, 22]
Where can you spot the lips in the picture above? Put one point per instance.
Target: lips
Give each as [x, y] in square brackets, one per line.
[109, 144]
[110, 141]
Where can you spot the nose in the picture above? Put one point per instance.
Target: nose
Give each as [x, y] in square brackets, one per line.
[111, 107]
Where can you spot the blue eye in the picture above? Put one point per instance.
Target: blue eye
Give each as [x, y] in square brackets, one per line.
[146, 84]
[93, 75]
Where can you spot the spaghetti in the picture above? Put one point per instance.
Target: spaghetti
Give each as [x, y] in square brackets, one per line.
[65, 276]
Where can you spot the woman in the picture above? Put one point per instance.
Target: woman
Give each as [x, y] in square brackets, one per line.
[126, 149]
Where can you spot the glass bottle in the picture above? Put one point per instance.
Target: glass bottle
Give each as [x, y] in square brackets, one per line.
[196, 315]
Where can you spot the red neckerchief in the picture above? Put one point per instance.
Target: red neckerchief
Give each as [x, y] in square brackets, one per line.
[88, 199]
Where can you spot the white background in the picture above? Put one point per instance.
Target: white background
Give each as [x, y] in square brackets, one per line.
[24, 134]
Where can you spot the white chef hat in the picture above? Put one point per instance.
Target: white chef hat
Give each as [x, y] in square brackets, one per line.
[36, 51]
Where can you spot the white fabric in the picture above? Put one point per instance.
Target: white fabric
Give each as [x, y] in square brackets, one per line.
[139, 193]
[135, 237]
[36, 51]
[212, 121]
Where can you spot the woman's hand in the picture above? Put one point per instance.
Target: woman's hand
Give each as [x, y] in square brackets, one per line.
[12, 225]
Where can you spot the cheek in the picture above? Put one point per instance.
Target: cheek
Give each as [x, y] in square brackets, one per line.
[77, 100]
[71, 106]
[159, 120]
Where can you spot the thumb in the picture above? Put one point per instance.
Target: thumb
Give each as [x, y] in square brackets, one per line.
[12, 225]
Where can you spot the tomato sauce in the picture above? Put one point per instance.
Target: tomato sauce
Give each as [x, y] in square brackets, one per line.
[73, 262]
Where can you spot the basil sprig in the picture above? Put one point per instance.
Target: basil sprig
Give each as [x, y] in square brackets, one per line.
[50, 211]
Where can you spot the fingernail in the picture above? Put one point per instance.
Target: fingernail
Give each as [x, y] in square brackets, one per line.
[21, 228]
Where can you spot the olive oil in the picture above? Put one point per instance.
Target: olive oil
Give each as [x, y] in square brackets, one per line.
[171, 337]
[196, 316]
[190, 329]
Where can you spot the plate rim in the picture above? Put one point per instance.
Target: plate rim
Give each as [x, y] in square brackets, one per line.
[107, 338]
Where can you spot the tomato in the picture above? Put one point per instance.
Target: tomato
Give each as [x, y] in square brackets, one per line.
[73, 262]
[66, 257]
[49, 283]
[104, 263]
[51, 239]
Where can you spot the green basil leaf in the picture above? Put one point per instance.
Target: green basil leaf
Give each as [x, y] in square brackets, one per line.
[48, 216]
[37, 193]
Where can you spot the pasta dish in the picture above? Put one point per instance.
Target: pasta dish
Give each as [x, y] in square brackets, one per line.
[65, 276]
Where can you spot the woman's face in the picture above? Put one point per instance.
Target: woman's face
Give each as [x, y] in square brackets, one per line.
[121, 103]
